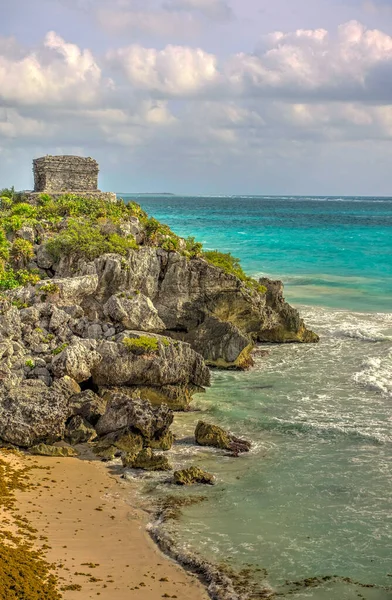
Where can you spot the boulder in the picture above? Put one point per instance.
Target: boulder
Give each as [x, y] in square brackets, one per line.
[79, 431]
[171, 363]
[124, 440]
[31, 412]
[76, 361]
[163, 442]
[55, 451]
[193, 475]
[147, 460]
[133, 311]
[139, 415]
[88, 405]
[207, 434]
[222, 344]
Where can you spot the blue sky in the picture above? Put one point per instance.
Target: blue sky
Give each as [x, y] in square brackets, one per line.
[201, 96]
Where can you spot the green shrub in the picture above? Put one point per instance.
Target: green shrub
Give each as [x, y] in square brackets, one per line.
[136, 211]
[59, 349]
[30, 363]
[4, 246]
[24, 209]
[142, 345]
[193, 249]
[121, 245]
[170, 244]
[226, 262]
[5, 202]
[19, 304]
[230, 264]
[49, 288]
[84, 239]
[10, 279]
[22, 251]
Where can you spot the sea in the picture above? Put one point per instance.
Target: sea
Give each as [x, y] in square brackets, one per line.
[313, 499]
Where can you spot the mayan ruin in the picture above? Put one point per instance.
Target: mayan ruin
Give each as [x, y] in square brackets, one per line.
[58, 175]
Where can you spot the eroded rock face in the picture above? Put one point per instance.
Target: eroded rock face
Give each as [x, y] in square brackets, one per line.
[31, 412]
[173, 363]
[138, 415]
[207, 434]
[79, 431]
[76, 361]
[88, 405]
[134, 311]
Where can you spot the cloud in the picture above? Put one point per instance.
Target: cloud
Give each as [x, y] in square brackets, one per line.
[184, 109]
[312, 65]
[176, 71]
[58, 73]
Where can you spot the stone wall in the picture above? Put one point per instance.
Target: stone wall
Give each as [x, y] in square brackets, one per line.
[65, 174]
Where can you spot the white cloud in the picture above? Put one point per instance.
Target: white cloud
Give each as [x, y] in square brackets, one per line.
[312, 64]
[176, 71]
[59, 73]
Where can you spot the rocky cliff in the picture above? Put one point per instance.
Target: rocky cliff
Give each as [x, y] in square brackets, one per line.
[98, 297]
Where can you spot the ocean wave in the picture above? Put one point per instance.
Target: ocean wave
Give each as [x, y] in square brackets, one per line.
[361, 335]
[376, 375]
[326, 431]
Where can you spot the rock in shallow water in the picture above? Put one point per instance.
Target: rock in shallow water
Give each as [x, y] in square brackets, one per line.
[147, 460]
[207, 434]
[192, 476]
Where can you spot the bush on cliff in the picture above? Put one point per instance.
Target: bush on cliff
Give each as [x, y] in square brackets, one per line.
[85, 239]
[142, 345]
[22, 252]
[11, 279]
[230, 264]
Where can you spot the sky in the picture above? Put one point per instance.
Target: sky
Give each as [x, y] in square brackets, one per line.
[201, 96]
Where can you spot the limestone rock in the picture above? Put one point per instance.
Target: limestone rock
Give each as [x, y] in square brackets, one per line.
[124, 440]
[44, 258]
[79, 431]
[134, 311]
[88, 405]
[174, 363]
[163, 442]
[207, 434]
[147, 460]
[193, 475]
[55, 451]
[31, 412]
[77, 361]
[123, 412]
[221, 343]
[71, 290]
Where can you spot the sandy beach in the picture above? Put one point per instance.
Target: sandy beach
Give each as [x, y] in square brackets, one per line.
[96, 536]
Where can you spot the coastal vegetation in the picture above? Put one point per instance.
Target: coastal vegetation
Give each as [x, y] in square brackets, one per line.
[73, 226]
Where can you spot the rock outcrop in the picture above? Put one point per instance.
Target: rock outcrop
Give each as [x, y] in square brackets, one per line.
[112, 314]
[207, 434]
[192, 476]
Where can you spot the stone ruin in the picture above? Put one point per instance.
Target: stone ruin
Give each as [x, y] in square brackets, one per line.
[58, 175]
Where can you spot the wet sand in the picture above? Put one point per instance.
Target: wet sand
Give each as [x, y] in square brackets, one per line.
[96, 534]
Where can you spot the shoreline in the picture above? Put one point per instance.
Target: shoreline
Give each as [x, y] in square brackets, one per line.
[95, 533]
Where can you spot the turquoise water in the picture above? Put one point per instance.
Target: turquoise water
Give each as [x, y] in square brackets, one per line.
[313, 498]
[335, 252]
